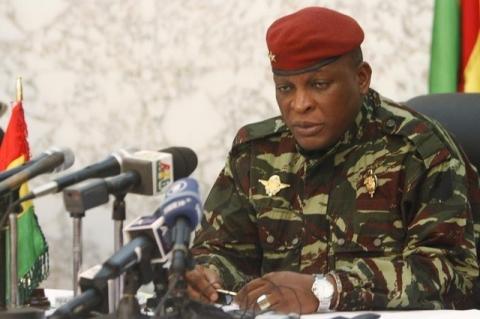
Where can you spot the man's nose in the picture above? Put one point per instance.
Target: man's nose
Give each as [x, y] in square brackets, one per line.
[303, 101]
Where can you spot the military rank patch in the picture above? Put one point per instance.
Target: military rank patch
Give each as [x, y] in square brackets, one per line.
[370, 182]
[273, 185]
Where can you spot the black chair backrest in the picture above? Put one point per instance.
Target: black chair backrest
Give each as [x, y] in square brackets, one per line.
[459, 113]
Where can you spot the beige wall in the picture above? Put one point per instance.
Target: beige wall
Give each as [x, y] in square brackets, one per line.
[102, 75]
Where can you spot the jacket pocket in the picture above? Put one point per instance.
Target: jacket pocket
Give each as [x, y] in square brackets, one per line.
[374, 228]
[280, 233]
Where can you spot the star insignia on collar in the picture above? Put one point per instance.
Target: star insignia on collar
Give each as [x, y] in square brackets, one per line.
[273, 185]
[271, 56]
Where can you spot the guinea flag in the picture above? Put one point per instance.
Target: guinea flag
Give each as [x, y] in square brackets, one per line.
[455, 52]
[32, 247]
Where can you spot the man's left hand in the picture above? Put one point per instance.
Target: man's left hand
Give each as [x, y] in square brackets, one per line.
[285, 291]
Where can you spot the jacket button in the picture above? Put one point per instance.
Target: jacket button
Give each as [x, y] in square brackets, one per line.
[341, 242]
[377, 242]
[390, 123]
[270, 239]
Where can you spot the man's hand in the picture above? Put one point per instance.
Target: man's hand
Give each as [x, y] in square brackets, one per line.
[286, 292]
[202, 284]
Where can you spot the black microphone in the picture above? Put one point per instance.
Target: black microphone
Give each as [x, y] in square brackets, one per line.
[94, 292]
[94, 192]
[93, 282]
[107, 167]
[6, 174]
[144, 173]
[55, 158]
[183, 161]
[78, 306]
[126, 257]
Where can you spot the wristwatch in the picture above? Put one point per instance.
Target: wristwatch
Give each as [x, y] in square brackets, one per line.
[323, 290]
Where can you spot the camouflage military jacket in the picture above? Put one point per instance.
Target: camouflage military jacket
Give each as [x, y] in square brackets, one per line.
[406, 244]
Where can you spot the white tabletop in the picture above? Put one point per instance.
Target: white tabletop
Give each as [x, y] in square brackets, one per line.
[58, 297]
[423, 314]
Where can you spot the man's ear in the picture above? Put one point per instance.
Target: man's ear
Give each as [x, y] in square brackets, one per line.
[364, 73]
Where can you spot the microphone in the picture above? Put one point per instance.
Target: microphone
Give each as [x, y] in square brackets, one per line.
[96, 191]
[129, 255]
[78, 306]
[182, 201]
[181, 210]
[144, 173]
[152, 227]
[93, 282]
[184, 160]
[107, 167]
[6, 174]
[52, 159]
[154, 170]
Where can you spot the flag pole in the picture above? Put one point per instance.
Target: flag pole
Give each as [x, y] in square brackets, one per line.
[14, 297]
[19, 89]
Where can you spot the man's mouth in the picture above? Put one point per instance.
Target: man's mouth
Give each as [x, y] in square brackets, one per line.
[307, 129]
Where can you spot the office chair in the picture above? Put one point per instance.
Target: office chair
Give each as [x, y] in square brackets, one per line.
[459, 113]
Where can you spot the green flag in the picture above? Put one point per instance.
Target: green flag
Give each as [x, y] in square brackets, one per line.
[445, 50]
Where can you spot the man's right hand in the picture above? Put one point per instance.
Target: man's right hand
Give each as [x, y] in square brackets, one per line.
[202, 284]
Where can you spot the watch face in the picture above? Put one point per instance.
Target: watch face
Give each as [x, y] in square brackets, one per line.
[327, 289]
[322, 288]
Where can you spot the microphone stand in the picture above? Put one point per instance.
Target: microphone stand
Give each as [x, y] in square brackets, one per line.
[128, 307]
[14, 301]
[160, 284]
[77, 201]
[89, 194]
[118, 216]
[4, 203]
[14, 297]
[77, 216]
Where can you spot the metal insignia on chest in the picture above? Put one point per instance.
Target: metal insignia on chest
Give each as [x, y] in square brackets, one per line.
[370, 182]
[273, 185]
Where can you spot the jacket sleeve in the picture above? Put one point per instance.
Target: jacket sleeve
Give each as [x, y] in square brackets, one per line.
[437, 266]
[227, 239]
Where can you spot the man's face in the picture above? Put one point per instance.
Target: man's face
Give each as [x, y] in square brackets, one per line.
[319, 106]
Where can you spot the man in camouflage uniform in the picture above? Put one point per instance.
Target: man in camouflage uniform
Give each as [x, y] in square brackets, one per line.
[369, 197]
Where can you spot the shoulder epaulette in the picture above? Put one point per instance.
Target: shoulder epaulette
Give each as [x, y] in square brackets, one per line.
[258, 130]
[428, 136]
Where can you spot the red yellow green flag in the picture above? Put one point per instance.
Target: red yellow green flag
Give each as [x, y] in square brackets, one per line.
[32, 247]
[470, 63]
[455, 52]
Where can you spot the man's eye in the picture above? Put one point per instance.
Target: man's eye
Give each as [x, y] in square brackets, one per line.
[283, 88]
[320, 84]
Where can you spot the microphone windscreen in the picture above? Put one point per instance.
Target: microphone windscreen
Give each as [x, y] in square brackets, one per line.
[184, 161]
[68, 158]
[182, 199]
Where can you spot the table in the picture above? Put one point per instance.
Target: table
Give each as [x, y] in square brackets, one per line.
[58, 297]
[423, 314]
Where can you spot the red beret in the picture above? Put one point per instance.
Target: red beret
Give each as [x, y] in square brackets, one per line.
[310, 38]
